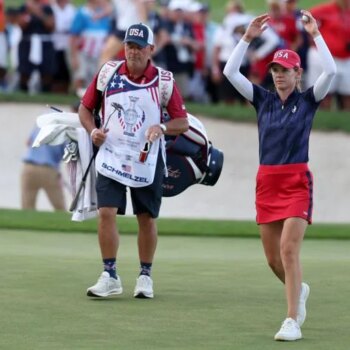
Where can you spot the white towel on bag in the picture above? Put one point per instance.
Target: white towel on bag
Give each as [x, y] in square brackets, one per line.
[55, 131]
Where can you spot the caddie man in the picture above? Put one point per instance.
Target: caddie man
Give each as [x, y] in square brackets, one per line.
[132, 94]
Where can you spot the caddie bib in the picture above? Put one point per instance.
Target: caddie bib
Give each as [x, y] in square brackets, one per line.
[129, 110]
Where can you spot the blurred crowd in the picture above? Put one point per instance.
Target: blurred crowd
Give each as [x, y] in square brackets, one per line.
[54, 46]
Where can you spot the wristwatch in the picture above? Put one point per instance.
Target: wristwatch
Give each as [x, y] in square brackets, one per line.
[163, 127]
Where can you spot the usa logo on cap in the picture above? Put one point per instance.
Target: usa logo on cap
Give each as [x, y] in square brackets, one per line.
[286, 58]
[140, 34]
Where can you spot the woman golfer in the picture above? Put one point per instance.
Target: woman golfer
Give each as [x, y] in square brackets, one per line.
[284, 181]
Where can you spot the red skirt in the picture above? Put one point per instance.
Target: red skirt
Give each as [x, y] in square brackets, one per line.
[283, 191]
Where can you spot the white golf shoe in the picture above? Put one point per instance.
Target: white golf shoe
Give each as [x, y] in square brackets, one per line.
[304, 294]
[289, 331]
[144, 287]
[105, 286]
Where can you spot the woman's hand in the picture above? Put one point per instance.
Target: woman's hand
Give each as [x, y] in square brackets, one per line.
[256, 27]
[310, 24]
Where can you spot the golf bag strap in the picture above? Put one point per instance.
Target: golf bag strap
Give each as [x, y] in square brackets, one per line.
[166, 85]
[166, 80]
[106, 73]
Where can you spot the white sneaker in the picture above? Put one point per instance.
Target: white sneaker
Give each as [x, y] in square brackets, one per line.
[144, 287]
[304, 294]
[289, 331]
[105, 286]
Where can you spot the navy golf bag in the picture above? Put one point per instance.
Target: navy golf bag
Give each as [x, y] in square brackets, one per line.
[191, 159]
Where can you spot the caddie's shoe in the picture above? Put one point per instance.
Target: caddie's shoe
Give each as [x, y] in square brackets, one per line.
[144, 287]
[304, 294]
[105, 286]
[289, 331]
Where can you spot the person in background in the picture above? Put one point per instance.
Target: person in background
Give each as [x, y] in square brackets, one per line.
[254, 63]
[197, 86]
[223, 43]
[36, 51]
[64, 13]
[211, 28]
[291, 7]
[182, 45]
[123, 14]
[131, 123]
[14, 34]
[89, 31]
[284, 24]
[41, 172]
[284, 183]
[334, 21]
[3, 47]
[161, 35]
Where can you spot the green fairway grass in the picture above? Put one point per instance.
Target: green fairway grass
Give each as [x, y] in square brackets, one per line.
[209, 294]
[61, 222]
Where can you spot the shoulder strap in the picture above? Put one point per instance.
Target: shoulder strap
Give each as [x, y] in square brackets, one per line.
[166, 84]
[106, 73]
[104, 76]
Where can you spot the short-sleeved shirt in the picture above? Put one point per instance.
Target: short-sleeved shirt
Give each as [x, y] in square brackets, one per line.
[284, 128]
[91, 31]
[175, 107]
[45, 154]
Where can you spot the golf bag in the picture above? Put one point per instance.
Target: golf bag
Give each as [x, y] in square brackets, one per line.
[191, 159]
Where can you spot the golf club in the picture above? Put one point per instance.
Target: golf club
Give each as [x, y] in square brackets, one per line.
[74, 203]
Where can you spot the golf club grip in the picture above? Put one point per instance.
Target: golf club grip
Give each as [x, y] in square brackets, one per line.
[77, 195]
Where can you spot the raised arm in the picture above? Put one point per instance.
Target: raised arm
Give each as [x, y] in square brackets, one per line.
[322, 84]
[231, 70]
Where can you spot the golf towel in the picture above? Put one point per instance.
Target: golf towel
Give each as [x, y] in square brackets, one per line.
[53, 132]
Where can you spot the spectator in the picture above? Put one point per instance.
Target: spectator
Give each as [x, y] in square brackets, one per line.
[14, 34]
[197, 91]
[259, 54]
[124, 13]
[41, 172]
[294, 11]
[161, 35]
[223, 43]
[64, 13]
[182, 45]
[89, 31]
[283, 24]
[211, 28]
[334, 22]
[3, 47]
[36, 51]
